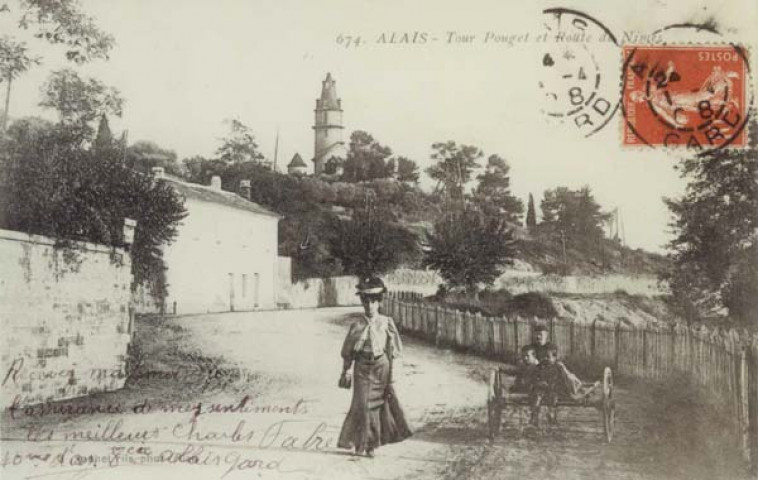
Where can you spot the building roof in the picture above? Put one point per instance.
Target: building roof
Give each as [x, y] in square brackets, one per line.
[297, 161]
[328, 100]
[220, 197]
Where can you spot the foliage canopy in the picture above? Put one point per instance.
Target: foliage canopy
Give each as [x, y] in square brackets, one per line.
[715, 251]
[79, 101]
[454, 168]
[575, 217]
[493, 195]
[468, 248]
[50, 185]
[371, 242]
[57, 22]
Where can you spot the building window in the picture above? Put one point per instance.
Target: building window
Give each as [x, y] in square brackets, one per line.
[256, 287]
[231, 292]
[244, 285]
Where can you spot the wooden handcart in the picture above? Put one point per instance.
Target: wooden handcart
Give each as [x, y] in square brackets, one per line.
[500, 399]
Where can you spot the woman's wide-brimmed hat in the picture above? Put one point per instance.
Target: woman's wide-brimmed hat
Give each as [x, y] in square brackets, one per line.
[371, 286]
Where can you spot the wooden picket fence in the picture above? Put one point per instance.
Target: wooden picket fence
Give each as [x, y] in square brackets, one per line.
[723, 363]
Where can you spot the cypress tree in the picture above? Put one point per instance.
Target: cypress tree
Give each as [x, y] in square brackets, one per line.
[104, 138]
[531, 215]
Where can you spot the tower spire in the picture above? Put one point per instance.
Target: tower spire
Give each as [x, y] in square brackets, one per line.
[276, 148]
[329, 100]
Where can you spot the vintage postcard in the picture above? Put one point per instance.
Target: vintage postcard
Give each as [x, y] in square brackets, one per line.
[351, 239]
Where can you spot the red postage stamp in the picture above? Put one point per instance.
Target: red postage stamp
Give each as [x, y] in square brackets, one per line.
[688, 96]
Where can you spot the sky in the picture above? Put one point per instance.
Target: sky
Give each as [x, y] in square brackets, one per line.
[183, 67]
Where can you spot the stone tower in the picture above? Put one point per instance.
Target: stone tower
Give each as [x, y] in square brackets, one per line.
[328, 127]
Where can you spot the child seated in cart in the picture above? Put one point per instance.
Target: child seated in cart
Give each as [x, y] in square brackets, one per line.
[553, 376]
[558, 381]
[553, 380]
[527, 374]
[527, 380]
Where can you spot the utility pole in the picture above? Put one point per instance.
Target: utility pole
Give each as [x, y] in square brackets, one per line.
[623, 233]
[276, 149]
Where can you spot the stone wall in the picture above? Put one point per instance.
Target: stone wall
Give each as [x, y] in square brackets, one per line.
[65, 319]
[521, 281]
[320, 292]
[582, 284]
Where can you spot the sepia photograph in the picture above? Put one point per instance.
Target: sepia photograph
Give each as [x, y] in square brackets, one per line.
[353, 239]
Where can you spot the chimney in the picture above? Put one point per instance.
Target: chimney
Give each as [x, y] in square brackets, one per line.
[245, 189]
[158, 173]
[216, 182]
[129, 226]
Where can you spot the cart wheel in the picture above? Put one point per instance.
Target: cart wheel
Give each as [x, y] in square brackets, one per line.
[609, 404]
[494, 408]
[491, 402]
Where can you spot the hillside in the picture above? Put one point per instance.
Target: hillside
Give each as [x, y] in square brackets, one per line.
[539, 252]
[545, 254]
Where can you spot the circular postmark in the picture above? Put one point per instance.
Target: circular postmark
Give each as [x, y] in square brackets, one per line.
[689, 96]
[579, 70]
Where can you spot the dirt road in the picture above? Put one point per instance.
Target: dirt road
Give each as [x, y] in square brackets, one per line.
[254, 395]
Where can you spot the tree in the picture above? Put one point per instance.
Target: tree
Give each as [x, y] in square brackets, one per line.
[79, 101]
[305, 237]
[715, 250]
[143, 156]
[407, 170]
[531, 214]
[50, 185]
[454, 168]
[493, 194]
[104, 138]
[469, 248]
[239, 146]
[199, 169]
[55, 22]
[574, 216]
[371, 243]
[366, 159]
[14, 60]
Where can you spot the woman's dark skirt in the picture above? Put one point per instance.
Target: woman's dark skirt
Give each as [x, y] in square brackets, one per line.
[367, 418]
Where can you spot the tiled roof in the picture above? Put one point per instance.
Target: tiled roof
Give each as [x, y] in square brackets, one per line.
[221, 197]
[297, 161]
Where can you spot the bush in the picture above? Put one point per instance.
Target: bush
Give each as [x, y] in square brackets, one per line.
[370, 243]
[468, 248]
[531, 304]
[51, 185]
[560, 269]
[498, 303]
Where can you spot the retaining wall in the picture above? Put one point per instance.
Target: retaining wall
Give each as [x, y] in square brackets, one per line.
[65, 321]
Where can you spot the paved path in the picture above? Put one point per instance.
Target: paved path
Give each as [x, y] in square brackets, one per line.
[272, 377]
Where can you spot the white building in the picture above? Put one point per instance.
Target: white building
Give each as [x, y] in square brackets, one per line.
[224, 257]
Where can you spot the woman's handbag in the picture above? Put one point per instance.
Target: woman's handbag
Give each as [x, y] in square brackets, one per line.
[393, 424]
[346, 381]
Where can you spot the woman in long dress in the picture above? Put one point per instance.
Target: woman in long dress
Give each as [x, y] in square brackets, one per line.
[375, 417]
